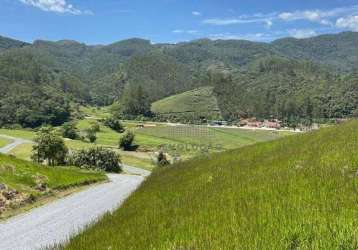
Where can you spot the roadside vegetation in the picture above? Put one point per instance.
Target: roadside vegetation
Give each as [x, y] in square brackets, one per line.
[303, 188]
[23, 182]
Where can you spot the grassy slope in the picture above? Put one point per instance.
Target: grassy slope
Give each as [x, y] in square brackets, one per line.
[198, 101]
[20, 175]
[297, 192]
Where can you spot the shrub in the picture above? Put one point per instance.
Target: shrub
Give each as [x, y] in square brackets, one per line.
[126, 141]
[69, 130]
[114, 124]
[95, 126]
[91, 135]
[162, 159]
[96, 158]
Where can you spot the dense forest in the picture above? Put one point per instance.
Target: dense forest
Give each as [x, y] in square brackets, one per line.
[290, 79]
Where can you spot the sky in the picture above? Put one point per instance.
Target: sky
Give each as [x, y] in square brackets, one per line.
[172, 21]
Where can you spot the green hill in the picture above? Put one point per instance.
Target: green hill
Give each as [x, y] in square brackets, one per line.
[299, 192]
[192, 104]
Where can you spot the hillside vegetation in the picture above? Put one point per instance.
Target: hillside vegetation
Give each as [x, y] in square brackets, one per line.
[303, 188]
[190, 105]
[136, 73]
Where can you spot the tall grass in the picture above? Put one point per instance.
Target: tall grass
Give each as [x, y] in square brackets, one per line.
[299, 192]
[22, 175]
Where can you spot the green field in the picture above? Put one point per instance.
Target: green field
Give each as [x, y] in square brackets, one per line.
[4, 142]
[24, 134]
[186, 139]
[299, 192]
[194, 103]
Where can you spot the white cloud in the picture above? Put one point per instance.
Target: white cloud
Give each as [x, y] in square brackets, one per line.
[185, 31]
[222, 22]
[350, 22]
[313, 16]
[320, 16]
[259, 37]
[269, 23]
[196, 13]
[302, 33]
[59, 6]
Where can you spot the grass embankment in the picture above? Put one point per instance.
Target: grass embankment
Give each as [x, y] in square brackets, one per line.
[200, 102]
[300, 192]
[32, 180]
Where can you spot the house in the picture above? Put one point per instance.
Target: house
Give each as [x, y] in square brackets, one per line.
[275, 124]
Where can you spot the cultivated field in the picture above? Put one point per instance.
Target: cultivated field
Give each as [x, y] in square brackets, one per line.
[299, 192]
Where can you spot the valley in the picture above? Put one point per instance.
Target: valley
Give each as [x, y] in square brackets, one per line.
[197, 144]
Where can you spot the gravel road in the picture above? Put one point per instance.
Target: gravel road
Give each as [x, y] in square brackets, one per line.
[15, 142]
[55, 222]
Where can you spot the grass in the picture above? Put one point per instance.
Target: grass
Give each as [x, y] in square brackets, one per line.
[186, 140]
[22, 151]
[4, 142]
[24, 134]
[198, 102]
[100, 113]
[22, 175]
[299, 192]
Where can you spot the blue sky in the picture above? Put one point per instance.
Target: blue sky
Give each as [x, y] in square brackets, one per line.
[107, 21]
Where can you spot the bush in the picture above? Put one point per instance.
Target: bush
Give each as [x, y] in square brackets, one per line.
[96, 158]
[114, 124]
[69, 130]
[91, 135]
[95, 127]
[126, 141]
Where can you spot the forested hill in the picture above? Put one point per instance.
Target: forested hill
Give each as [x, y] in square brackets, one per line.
[136, 68]
[8, 43]
[337, 50]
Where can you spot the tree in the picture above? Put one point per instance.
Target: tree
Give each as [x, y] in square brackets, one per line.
[49, 147]
[135, 101]
[69, 130]
[126, 141]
